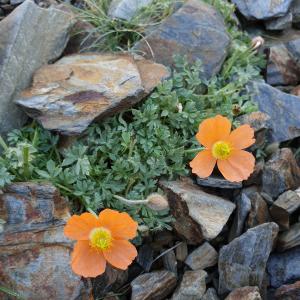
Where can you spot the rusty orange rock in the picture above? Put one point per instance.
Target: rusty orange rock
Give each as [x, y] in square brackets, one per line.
[78, 89]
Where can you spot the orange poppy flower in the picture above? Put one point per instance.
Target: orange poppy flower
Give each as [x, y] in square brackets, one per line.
[224, 148]
[101, 239]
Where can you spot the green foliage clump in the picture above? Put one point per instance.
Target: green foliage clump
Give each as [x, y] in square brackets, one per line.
[117, 34]
[128, 153]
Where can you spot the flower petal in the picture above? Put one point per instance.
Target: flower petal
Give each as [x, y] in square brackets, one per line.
[121, 225]
[86, 261]
[242, 137]
[238, 166]
[121, 254]
[212, 130]
[79, 227]
[203, 164]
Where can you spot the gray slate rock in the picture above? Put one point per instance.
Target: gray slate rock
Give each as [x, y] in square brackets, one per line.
[295, 9]
[262, 10]
[30, 37]
[243, 205]
[203, 257]
[281, 173]
[282, 108]
[284, 267]
[155, 285]
[218, 182]
[126, 9]
[210, 294]
[192, 286]
[196, 30]
[243, 261]
[280, 23]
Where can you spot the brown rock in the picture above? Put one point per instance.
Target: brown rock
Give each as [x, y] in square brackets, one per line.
[196, 30]
[197, 214]
[153, 286]
[192, 286]
[296, 91]
[288, 292]
[34, 253]
[203, 257]
[259, 212]
[169, 261]
[281, 173]
[283, 207]
[68, 95]
[289, 239]
[181, 251]
[245, 293]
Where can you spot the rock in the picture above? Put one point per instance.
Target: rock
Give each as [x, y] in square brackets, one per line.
[203, 257]
[210, 294]
[126, 9]
[257, 120]
[284, 267]
[182, 251]
[282, 109]
[69, 95]
[283, 207]
[243, 205]
[145, 257]
[192, 286]
[218, 182]
[282, 69]
[196, 30]
[243, 261]
[259, 213]
[24, 50]
[288, 292]
[256, 177]
[245, 293]
[262, 10]
[156, 285]
[289, 239]
[111, 280]
[295, 9]
[33, 247]
[170, 262]
[281, 173]
[280, 23]
[197, 214]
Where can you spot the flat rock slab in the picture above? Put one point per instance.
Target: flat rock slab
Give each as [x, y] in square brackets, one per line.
[218, 182]
[284, 268]
[282, 108]
[281, 173]
[126, 9]
[289, 239]
[192, 286]
[70, 94]
[30, 37]
[34, 253]
[196, 30]
[195, 211]
[262, 10]
[245, 293]
[155, 285]
[243, 261]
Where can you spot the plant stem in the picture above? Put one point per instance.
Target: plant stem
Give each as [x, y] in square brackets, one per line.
[26, 162]
[194, 150]
[130, 202]
[3, 144]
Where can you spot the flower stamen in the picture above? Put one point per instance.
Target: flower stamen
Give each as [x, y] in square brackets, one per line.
[100, 238]
[221, 150]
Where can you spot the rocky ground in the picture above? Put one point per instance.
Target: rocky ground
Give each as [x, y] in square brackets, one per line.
[233, 241]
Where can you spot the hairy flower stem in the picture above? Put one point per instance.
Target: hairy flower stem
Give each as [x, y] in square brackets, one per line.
[130, 202]
[3, 144]
[194, 150]
[26, 162]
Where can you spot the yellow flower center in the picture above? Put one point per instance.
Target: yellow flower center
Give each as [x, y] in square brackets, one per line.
[100, 238]
[221, 150]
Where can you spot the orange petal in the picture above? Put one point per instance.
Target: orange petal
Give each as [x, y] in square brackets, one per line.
[121, 254]
[121, 225]
[238, 166]
[242, 137]
[86, 261]
[203, 164]
[79, 227]
[212, 130]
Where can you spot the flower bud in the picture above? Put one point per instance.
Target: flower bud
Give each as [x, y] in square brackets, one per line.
[157, 202]
[257, 42]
